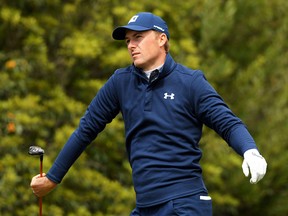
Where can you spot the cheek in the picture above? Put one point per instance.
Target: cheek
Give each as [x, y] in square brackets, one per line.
[150, 48]
[153, 51]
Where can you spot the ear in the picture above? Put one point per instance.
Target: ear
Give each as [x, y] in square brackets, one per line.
[162, 39]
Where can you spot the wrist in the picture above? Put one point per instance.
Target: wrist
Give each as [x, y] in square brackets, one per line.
[249, 152]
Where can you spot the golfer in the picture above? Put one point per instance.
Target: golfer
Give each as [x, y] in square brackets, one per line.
[164, 106]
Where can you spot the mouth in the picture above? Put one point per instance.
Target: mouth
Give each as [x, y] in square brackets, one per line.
[135, 54]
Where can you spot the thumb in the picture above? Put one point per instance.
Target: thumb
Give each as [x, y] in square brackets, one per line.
[40, 175]
[253, 179]
[245, 168]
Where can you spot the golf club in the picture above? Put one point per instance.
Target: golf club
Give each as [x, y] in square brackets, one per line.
[35, 150]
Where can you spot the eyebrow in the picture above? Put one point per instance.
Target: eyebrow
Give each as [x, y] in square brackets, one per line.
[133, 35]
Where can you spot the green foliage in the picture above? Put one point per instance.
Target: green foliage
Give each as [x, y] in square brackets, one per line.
[55, 56]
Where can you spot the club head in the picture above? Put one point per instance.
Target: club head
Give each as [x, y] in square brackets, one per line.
[35, 150]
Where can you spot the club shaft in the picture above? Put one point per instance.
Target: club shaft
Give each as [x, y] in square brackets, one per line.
[40, 206]
[40, 198]
[41, 165]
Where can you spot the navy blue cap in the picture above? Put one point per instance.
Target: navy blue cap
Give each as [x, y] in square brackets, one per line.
[143, 21]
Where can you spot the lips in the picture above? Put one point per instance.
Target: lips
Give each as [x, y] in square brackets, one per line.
[134, 54]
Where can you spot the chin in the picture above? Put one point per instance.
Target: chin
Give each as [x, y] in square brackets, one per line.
[138, 65]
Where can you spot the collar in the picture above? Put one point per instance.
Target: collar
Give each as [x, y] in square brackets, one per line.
[148, 73]
[166, 69]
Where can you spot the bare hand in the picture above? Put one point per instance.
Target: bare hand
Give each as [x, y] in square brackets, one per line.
[41, 186]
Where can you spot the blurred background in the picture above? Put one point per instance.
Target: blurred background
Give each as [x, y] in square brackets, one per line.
[54, 57]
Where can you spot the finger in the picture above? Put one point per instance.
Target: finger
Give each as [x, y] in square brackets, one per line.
[35, 180]
[40, 175]
[245, 168]
[260, 171]
[253, 181]
[37, 192]
[264, 167]
[36, 176]
[255, 176]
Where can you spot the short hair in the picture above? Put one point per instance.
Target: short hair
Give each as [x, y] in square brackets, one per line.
[166, 45]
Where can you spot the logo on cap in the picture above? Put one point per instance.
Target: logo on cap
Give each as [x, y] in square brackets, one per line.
[133, 19]
[159, 28]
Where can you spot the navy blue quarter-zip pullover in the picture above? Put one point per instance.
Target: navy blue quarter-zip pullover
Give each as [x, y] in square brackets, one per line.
[163, 125]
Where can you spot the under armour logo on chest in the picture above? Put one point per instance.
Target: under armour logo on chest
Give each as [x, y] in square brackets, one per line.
[170, 96]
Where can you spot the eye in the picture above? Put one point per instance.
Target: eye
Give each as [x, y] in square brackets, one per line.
[127, 41]
[138, 36]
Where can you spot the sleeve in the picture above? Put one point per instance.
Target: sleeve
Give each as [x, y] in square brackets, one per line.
[214, 113]
[101, 111]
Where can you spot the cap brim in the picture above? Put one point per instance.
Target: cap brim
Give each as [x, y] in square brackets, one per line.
[120, 32]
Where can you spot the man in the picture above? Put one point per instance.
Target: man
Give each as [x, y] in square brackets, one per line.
[164, 106]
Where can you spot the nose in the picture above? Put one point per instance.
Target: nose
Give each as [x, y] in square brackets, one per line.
[131, 45]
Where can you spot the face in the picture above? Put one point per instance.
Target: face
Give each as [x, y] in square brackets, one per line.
[146, 48]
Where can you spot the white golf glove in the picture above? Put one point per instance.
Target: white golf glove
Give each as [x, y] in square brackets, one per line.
[255, 164]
